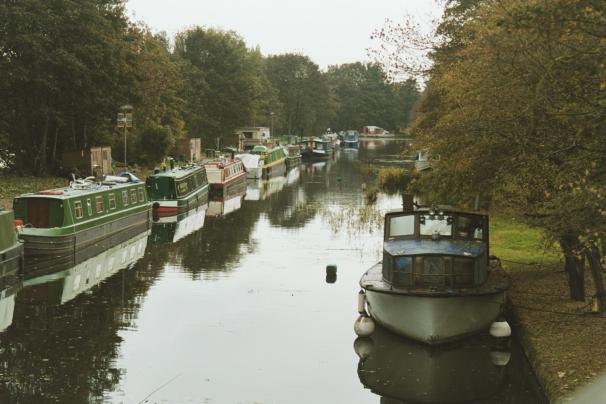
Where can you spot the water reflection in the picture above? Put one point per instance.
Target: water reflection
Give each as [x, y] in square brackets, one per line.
[64, 339]
[259, 190]
[7, 303]
[477, 369]
[173, 228]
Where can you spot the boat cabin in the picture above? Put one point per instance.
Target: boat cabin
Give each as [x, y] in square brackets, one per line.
[435, 248]
[76, 205]
[177, 183]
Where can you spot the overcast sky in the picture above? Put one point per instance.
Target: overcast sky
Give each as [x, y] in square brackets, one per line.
[328, 31]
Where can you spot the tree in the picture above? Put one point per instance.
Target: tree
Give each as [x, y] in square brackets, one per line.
[222, 81]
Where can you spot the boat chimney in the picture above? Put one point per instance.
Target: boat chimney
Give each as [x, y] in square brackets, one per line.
[407, 202]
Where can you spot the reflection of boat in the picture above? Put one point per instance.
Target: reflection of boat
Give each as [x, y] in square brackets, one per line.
[351, 139]
[11, 250]
[224, 207]
[63, 286]
[174, 228]
[401, 370]
[7, 303]
[350, 154]
[293, 156]
[293, 176]
[64, 226]
[224, 175]
[258, 190]
[178, 190]
[434, 283]
[315, 148]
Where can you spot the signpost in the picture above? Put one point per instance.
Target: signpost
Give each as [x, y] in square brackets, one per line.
[125, 120]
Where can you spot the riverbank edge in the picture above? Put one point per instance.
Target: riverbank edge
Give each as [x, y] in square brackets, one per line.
[521, 333]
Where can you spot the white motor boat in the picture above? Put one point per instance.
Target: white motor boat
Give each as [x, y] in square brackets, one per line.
[436, 282]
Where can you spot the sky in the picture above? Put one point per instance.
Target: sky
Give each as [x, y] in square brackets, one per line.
[328, 31]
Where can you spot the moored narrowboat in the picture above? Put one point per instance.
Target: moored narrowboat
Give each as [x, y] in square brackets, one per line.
[274, 161]
[293, 156]
[11, 250]
[315, 148]
[65, 226]
[225, 176]
[177, 191]
[351, 139]
[436, 282]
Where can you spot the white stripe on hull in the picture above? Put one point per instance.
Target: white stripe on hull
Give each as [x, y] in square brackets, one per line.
[433, 319]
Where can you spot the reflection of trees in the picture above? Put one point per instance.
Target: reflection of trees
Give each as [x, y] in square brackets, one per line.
[66, 353]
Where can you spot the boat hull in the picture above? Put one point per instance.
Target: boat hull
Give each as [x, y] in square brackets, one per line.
[274, 170]
[174, 207]
[435, 319]
[292, 162]
[254, 173]
[48, 253]
[11, 263]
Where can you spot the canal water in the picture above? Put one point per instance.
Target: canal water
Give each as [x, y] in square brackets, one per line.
[236, 307]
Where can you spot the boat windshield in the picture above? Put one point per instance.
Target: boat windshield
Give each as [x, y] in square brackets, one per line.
[402, 226]
[436, 224]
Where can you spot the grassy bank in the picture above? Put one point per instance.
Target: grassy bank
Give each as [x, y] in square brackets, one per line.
[562, 339]
[12, 185]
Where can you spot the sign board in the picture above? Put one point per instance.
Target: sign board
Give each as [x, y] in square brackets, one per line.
[124, 118]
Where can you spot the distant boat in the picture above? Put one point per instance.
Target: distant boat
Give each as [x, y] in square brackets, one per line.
[351, 139]
[423, 160]
[316, 148]
[66, 226]
[293, 156]
[436, 282]
[176, 191]
[11, 250]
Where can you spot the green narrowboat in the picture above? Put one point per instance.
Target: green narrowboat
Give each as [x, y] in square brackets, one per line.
[65, 226]
[177, 191]
[273, 161]
[11, 250]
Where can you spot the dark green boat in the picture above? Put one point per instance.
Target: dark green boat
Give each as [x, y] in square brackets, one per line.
[11, 250]
[65, 226]
[177, 191]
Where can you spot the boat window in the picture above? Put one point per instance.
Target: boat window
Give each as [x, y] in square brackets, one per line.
[469, 227]
[141, 195]
[433, 271]
[99, 204]
[78, 210]
[435, 224]
[402, 271]
[133, 196]
[112, 201]
[402, 226]
[182, 188]
[89, 207]
[125, 198]
[463, 271]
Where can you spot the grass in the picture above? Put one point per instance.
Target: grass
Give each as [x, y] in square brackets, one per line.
[562, 340]
[13, 185]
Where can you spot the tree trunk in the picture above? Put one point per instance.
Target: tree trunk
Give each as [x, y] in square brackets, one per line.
[597, 272]
[43, 152]
[574, 266]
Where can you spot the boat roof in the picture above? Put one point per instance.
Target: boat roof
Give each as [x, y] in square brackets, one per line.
[444, 209]
[435, 247]
[69, 192]
[179, 172]
[222, 163]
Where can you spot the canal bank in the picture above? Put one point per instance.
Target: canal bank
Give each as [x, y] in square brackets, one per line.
[559, 336]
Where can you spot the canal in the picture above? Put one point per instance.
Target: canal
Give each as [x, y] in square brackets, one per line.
[236, 307]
